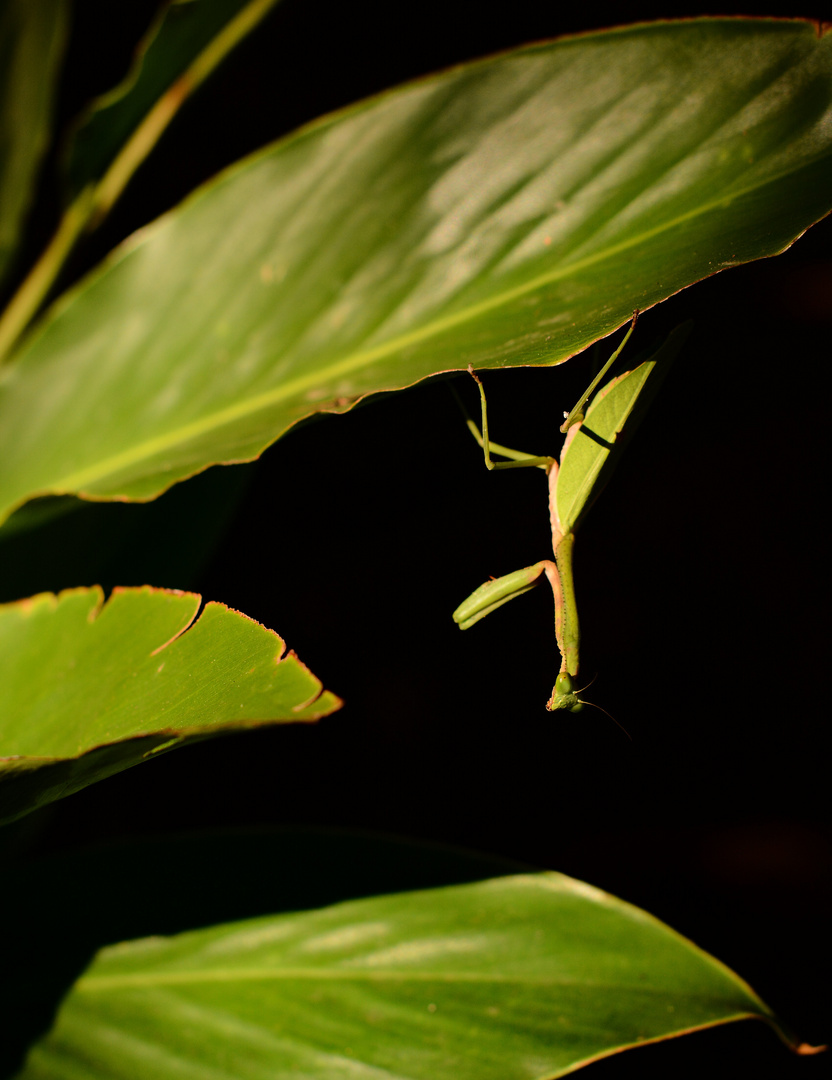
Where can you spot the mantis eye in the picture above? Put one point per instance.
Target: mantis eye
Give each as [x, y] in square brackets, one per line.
[563, 685]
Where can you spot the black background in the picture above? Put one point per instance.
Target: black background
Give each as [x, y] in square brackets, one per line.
[700, 573]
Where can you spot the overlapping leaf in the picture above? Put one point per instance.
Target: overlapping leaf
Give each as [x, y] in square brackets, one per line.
[184, 44]
[89, 690]
[514, 977]
[32, 38]
[506, 212]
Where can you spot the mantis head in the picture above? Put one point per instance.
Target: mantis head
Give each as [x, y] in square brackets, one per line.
[563, 696]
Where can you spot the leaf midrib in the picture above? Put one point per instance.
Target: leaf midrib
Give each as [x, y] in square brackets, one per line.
[107, 983]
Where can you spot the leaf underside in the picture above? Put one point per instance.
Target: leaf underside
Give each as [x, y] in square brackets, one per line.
[507, 212]
[89, 690]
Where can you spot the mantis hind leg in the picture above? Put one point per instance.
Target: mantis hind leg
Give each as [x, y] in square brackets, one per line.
[577, 414]
[520, 460]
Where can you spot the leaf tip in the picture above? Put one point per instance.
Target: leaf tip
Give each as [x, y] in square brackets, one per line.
[807, 1050]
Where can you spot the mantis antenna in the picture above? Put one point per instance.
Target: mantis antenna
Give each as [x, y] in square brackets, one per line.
[603, 710]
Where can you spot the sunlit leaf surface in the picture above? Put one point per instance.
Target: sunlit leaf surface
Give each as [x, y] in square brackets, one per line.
[514, 977]
[89, 690]
[505, 212]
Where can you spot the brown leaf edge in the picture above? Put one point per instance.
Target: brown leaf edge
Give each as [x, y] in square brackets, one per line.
[28, 782]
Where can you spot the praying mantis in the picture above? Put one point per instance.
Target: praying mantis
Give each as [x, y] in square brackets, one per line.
[590, 452]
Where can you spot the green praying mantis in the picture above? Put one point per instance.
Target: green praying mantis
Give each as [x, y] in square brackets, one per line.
[590, 451]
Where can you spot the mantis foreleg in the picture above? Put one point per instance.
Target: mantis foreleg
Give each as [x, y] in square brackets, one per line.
[499, 591]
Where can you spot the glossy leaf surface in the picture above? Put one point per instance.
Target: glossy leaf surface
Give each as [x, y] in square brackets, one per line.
[513, 977]
[592, 448]
[89, 690]
[197, 32]
[32, 38]
[506, 212]
[117, 897]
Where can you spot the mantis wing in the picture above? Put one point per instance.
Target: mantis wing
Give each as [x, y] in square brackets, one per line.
[593, 447]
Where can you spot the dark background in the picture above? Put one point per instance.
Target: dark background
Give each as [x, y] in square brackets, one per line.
[701, 580]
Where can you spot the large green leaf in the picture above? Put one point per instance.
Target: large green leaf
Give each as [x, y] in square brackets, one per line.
[514, 977]
[506, 212]
[113, 894]
[32, 38]
[188, 39]
[89, 690]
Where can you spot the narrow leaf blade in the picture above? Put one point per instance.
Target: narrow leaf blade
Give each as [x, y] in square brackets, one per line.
[32, 38]
[513, 977]
[184, 44]
[91, 689]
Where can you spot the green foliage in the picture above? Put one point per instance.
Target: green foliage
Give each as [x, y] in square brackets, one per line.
[506, 212]
[85, 693]
[89, 690]
[184, 44]
[496, 214]
[507, 978]
[32, 37]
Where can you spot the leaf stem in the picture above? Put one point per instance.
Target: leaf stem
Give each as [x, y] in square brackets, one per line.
[150, 130]
[28, 298]
[95, 201]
